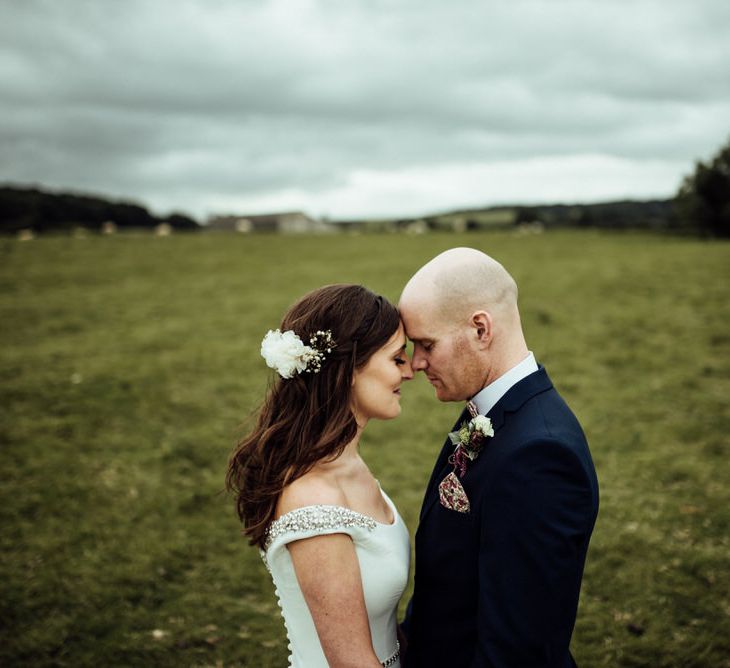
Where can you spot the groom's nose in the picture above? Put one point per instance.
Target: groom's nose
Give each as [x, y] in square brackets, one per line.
[418, 361]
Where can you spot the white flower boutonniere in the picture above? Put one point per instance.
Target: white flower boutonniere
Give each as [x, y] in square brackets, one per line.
[469, 441]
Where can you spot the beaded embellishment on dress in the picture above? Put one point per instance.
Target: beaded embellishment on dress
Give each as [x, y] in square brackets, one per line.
[312, 518]
[393, 657]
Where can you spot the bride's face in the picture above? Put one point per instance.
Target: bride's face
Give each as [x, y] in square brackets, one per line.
[376, 387]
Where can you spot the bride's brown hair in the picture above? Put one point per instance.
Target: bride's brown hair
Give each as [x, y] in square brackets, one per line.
[308, 418]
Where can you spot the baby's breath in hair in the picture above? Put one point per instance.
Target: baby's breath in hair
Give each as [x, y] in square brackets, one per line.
[320, 343]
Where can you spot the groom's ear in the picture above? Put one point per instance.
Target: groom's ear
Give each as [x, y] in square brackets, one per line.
[481, 321]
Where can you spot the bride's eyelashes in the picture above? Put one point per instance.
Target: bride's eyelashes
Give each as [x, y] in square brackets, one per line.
[400, 361]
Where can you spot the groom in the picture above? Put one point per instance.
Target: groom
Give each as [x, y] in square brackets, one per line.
[510, 506]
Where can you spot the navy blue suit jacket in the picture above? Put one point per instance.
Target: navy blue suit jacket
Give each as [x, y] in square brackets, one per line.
[499, 586]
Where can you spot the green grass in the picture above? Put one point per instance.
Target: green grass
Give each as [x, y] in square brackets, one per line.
[128, 365]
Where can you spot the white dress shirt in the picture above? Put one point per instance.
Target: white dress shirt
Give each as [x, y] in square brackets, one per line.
[486, 399]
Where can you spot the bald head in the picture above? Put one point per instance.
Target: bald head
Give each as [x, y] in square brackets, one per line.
[460, 281]
[460, 312]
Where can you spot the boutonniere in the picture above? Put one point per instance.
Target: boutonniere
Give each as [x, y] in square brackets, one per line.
[469, 440]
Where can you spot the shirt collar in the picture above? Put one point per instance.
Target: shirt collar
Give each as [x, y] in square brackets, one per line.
[492, 393]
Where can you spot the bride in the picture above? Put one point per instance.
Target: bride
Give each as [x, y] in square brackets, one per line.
[333, 541]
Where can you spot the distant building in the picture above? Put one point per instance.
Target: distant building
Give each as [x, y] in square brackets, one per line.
[419, 226]
[288, 223]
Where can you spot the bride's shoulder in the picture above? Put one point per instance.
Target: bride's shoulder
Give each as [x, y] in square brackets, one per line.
[312, 489]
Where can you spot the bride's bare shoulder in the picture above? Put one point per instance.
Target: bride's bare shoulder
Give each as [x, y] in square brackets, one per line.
[311, 489]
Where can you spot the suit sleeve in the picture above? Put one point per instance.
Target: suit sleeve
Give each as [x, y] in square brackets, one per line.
[536, 513]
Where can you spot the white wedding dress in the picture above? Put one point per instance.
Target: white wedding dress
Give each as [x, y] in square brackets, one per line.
[383, 553]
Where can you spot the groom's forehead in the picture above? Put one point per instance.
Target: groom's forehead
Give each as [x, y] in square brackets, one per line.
[421, 323]
[422, 332]
[428, 318]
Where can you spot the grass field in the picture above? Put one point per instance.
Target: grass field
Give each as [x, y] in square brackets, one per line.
[128, 365]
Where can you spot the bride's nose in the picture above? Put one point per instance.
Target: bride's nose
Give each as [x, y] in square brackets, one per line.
[406, 370]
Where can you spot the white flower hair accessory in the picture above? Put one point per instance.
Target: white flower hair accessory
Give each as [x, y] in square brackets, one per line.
[286, 353]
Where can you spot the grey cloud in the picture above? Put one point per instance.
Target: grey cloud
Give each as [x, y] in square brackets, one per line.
[208, 98]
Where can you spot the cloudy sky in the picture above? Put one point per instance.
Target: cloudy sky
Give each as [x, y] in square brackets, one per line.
[361, 108]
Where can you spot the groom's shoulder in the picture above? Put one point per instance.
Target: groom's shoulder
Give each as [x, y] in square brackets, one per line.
[543, 415]
[552, 413]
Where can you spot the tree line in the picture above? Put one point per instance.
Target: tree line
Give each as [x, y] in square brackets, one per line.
[34, 209]
[701, 206]
[703, 200]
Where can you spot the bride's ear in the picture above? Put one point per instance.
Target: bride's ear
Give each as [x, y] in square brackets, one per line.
[483, 326]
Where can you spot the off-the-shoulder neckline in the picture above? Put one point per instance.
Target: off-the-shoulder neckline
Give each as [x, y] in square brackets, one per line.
[350, 510]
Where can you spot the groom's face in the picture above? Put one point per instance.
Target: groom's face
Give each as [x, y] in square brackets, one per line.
[445, 355]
